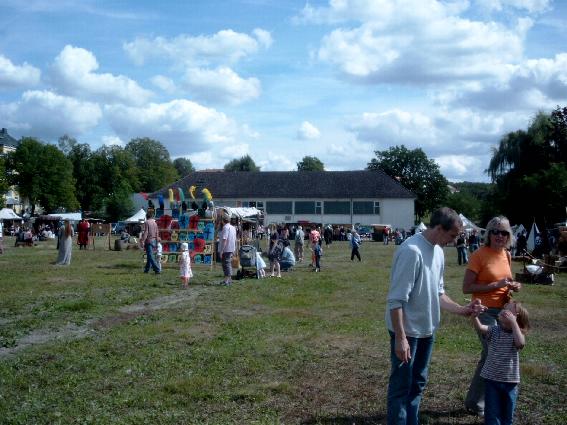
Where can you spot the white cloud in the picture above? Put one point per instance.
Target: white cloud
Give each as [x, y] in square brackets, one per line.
[48, 115]
[163, 83]
[308, 131]
[531, 6]
[221, 85]
[73, 74]
[532, 85]
[276, 162]
[184, 127]
[415, 41]
[224, 46]
[112, 141]
[462, 167]
[17, 76]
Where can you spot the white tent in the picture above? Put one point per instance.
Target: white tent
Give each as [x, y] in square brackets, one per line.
[534, 234]
[421, 227]
[469, 225]
[9, 214]
[66, 216]
[241, 212]
[140, 216]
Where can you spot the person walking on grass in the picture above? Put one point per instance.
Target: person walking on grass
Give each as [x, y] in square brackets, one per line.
[355, 242]
[149, 240]
[501, 370]
[228, 247]
[414, 300]
[66, 234]
[299, 242]
[185, 272]
[317, 254]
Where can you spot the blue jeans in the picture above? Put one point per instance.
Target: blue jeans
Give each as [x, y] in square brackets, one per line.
[462, 254]
[499, 402]
[407, 381]
[150, 261]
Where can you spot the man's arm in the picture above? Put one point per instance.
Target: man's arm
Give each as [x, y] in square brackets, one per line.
[402, 347]
[473, 308]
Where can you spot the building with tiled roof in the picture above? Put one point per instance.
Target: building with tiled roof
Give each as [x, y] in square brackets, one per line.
[325, 197]
[7, 142]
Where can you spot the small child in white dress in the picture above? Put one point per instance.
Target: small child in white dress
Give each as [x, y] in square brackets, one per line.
[185, 265]
[159, 254]
[260, 265]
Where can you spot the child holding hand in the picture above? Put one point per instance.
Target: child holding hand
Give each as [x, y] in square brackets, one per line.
[501, 371]
[185, 265]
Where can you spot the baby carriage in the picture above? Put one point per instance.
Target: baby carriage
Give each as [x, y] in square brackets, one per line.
[247, 254]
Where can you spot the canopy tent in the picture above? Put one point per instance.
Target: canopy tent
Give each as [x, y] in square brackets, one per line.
[140, 216]
[241, 212]
[469, 225]
[532, 237]
[64, 216]
[421, 227]
[517, 230]
[9, 214]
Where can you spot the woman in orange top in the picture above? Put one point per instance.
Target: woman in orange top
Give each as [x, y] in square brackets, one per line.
[489, 278]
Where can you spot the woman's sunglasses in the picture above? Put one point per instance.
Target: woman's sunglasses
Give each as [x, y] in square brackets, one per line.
[499, 232]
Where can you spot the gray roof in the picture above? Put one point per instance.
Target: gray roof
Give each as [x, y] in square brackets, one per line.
[292, 184]
[7, 140]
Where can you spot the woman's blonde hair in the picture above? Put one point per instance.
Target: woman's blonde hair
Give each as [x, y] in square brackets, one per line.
[497, 223]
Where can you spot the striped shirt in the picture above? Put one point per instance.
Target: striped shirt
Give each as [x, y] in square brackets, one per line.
[503, 360]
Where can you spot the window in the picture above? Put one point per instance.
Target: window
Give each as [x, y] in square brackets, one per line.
[366, 207]
[337, 207]
[253, 204]
[279, 207]
[304, 207]
[318, 207]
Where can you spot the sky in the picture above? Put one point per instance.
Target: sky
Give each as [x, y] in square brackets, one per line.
[278, 80]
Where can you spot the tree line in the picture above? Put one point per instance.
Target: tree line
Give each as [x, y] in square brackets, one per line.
[528, 170]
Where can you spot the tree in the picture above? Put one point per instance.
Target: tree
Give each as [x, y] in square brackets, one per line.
[183, 166]
[242, 164]
[310, 163]
[155, 167]
[119, 204]
[472, 200]
[529, 169]
[43, 175]
[84, 171]
[415, 172]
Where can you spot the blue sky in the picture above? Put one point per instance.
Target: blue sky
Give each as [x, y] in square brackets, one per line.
[278, 80]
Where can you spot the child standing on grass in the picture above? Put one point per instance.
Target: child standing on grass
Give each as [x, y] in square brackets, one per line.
[260, 265]
[185, 265]
[501, 371]
[317, 253]
[159, 254]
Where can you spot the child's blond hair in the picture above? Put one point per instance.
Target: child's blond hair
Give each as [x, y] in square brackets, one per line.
[522, 317]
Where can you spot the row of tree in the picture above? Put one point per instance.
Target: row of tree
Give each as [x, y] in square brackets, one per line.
[528, 171]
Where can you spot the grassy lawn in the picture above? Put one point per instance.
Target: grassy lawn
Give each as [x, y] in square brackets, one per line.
[100, 342]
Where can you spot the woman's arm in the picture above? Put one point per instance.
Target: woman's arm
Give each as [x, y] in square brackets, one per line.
[470, 284]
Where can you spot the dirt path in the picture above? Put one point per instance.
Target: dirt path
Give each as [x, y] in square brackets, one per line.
[71, 331]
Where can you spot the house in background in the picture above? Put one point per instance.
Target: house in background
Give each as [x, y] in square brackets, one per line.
[324, 197]
[7, 142]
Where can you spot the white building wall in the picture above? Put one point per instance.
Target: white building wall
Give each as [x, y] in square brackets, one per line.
[397, 212]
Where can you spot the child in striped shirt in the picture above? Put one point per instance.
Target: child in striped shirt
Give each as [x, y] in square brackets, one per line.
[501, 371]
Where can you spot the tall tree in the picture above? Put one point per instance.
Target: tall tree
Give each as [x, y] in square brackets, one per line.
[310, 163]
[154, 163]
[415, 172]
[84, 171]
[183, 166]
[246, 163]
[43, 175]
[530, 171]
[119, 203]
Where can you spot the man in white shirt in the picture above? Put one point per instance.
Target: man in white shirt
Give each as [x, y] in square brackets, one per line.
[228, 247]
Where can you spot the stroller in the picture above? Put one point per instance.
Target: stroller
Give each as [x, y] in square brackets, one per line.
[247, 254]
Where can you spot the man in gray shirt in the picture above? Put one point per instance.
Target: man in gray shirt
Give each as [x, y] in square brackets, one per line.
[413, 312]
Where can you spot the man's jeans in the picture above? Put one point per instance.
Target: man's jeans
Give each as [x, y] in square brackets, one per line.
[462, 254]
[499, 402]
[407, 381]
[150, 261]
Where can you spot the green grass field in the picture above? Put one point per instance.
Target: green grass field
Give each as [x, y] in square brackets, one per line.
[99, 342]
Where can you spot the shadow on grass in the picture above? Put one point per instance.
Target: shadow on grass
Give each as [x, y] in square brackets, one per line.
[121, 266]
[452, 417]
